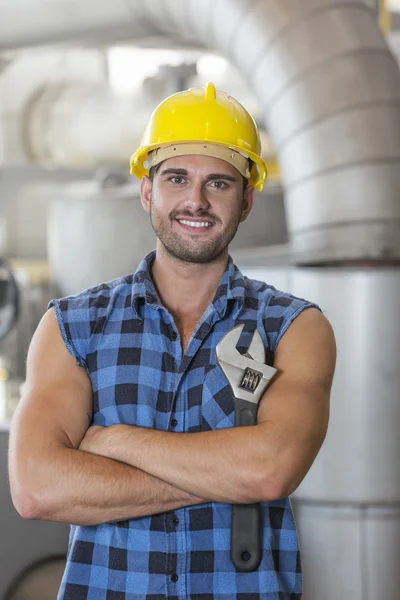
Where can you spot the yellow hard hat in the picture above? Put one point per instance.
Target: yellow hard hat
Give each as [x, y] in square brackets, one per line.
[202, 121]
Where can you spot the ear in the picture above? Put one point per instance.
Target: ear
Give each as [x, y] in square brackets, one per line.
[249, 198]
[146, 188]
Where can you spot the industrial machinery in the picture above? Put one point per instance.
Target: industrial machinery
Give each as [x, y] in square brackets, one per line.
[329, 89]
[32, 553]
[347, 508]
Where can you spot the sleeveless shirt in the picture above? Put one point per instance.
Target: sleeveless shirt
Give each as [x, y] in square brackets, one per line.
[128, 343]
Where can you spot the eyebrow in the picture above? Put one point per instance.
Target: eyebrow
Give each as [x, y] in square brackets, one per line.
[221, 176]
[174, 171]
[210, 177]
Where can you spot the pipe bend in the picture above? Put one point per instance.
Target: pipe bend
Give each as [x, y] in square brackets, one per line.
[276, 46]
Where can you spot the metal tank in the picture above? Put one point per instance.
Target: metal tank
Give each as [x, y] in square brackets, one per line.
[31, 552]
[98, 230]
[348, 506]
[96, 233]
[359, 460]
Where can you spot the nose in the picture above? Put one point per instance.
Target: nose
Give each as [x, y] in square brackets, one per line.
[196, 199]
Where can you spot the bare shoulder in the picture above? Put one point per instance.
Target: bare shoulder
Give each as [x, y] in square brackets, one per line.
[46, 345]
[48, 358]
[308, 348]
[57, 394]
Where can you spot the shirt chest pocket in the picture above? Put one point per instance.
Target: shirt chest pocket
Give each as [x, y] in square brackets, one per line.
[217, 407]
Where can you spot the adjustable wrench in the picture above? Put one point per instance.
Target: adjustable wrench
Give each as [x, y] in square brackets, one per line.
[248, 378]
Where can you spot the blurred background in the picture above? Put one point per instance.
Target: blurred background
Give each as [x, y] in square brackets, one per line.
[78, 81]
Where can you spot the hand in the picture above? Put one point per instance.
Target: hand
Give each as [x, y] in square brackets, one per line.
[99, 440]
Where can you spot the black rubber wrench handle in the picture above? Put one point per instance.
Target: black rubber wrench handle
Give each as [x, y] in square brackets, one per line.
[246, 518]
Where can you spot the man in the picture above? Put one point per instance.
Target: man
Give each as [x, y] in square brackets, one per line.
[125, 428]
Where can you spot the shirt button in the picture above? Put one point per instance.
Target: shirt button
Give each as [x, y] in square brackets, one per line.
[174, 577]
[174, 422]
[174, 335]
[175, 521]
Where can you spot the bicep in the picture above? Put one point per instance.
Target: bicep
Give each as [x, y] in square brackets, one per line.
[56, 404]
[295, 408]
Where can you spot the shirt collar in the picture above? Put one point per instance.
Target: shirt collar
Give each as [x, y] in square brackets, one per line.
[143, 289]
[230, 288]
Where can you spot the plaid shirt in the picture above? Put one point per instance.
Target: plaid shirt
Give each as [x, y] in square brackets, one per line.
[129, 345]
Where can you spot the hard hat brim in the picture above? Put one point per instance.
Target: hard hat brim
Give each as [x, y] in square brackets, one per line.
[258, 172]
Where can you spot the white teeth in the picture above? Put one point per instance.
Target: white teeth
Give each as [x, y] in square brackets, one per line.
[195, 223]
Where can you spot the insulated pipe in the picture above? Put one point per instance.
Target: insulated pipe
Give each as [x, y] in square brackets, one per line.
[331, 94]
[329, 87]
[25, 23]
[85, 126]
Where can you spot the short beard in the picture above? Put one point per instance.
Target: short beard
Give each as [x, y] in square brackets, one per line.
[191, 252]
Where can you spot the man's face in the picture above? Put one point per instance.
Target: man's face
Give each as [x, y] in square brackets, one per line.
[196, 204]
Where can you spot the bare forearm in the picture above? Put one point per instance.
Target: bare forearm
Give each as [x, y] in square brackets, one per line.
[222, 466]
[84, 489]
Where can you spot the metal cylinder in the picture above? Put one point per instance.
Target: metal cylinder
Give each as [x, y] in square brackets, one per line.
[95, 235]
[327, 82]
[99, 231]
[347, 507]
[31, 552]
[358, 462]
[349, 552]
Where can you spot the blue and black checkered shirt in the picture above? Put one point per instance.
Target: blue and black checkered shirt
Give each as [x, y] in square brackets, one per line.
[129, 345]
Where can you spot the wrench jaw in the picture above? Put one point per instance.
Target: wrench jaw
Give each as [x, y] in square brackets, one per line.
[227, 344]
[256, 350]
[247, 377]
[236, 374]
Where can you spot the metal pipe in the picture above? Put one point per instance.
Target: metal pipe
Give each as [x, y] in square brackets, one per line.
[327, 82]
[24, 24]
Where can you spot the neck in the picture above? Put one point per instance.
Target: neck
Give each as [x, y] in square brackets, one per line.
[186, 289]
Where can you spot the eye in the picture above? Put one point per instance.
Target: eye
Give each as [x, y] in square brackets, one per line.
[219, 184]
[177, 179]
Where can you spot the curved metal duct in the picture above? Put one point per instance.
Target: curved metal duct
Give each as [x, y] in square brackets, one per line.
[330, 90]
[23, 23]
[85, 126]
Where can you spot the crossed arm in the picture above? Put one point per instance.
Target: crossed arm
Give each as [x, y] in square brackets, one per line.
[245, 464]
[120, 472]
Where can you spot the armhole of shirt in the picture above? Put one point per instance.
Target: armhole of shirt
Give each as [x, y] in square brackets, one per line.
[290, 320]
[65, 334]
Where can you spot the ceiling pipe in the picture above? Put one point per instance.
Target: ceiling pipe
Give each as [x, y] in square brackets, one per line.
[328, 84]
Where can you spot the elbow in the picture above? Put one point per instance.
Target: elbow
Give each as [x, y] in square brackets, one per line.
[275, 489]
[34, 491]
[26, 504]
[272, 486]
[27, 497]
[28, 509]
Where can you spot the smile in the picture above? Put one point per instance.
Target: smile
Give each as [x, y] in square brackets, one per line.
[196, 224]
